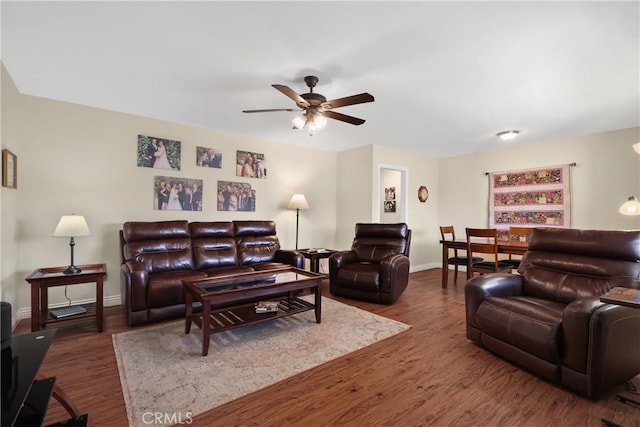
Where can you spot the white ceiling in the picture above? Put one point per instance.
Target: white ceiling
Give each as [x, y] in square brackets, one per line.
[447, 76]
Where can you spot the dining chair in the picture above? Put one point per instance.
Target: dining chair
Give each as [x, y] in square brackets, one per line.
[448, 233]
[484, 241]
[518, 234]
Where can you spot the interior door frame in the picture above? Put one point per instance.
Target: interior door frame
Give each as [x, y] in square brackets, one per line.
[403, 203]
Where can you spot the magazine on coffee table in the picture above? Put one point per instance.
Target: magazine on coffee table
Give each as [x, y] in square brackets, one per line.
[267, 306]
[622, 296]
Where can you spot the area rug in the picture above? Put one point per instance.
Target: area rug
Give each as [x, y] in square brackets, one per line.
[165, 377]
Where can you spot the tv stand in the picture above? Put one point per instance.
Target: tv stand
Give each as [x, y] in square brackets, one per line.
[25, 395]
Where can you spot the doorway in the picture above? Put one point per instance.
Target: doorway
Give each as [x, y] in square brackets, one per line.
[392, 200]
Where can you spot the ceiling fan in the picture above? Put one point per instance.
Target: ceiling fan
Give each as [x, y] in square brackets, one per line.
[316, 107]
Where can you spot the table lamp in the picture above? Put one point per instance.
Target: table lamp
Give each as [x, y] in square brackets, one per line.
[72, 226]
[297, 202]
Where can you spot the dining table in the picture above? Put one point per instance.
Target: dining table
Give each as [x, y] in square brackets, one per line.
[515, 247]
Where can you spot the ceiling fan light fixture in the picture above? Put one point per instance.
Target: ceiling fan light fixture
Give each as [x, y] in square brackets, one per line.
[299, 121]
[508, 135]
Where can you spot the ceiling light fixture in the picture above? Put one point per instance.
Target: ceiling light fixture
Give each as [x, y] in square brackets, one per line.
[313, 119]
[508, 135]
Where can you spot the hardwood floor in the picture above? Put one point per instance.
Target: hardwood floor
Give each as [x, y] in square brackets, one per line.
[428, 375]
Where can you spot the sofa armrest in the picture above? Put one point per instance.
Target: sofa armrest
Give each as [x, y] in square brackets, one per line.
[609, 332]
[293, 258]
[489, 285]
[575, 331]
[133, 281]
[394, 269]
[615, 346]
[337, 260]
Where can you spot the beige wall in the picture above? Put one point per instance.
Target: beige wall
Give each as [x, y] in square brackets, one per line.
[76, 159]
[607, 171]
[354, 192]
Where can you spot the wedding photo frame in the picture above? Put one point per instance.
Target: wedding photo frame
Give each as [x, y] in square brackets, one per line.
[208, 157]
[251, 165]
[177, 194]
[9, 169]
[158, 153]
[236, 196]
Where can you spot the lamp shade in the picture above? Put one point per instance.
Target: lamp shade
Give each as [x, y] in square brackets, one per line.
[298, 201]
[636, 147]
[630, 207]
[72, 226]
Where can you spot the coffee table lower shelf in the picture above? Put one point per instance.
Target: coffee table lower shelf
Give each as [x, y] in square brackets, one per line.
[242, 315]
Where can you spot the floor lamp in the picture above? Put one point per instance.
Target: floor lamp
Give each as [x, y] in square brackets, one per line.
[297, 202]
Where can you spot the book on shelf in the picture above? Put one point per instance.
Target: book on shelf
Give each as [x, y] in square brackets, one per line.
[267, 306]
[58, 313]
[622, 296]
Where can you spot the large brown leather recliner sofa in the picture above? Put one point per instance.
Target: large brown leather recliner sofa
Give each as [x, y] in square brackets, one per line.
[550, 320]
[158, 256]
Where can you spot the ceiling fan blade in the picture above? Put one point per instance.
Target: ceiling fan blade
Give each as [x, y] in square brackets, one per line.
[270, 110]
[360, 98]
[300, 101]
[343, 117]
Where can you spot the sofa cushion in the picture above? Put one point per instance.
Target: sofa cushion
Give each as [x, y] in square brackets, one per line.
[213, 245]
[261, 266]
[228, 270]
[164, 289]
[363, 276]
[531, 324]
[159, 246]
[374, 242]
[256, 241]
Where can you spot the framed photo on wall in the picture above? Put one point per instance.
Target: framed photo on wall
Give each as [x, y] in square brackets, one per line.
[251, 165]
[9, 169]
[389, 206]
[236, 196]
[177, 194]
[208, 157]
[158, 153]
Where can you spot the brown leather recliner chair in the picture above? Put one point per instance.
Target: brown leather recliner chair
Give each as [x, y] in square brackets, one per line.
[376, 269]
[549, 319]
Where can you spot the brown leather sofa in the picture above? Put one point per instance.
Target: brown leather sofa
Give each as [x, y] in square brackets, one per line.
[376, 269]
[549, 319]
[158, 256]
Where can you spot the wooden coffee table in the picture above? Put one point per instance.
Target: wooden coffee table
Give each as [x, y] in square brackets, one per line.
[228, 302]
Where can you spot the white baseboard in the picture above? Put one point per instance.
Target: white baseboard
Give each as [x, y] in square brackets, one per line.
[422, 267]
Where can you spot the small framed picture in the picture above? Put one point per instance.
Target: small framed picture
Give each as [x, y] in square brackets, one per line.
[208, 157]
[390, 206]
[9, 169]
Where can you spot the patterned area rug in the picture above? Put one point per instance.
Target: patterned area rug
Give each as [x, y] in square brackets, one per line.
[166, 380]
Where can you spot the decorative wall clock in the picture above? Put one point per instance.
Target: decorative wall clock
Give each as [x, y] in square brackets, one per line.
[423, 194]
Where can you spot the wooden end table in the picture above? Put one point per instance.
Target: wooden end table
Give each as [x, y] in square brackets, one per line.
[44, 278]
[315, 255]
